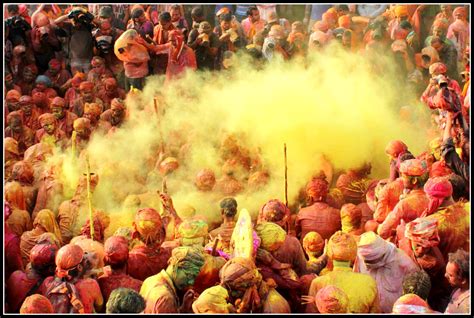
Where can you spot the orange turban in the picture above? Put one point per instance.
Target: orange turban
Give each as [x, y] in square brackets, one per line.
[441, 23]
[438, 68]
[116, 250]
[205, 180]
[342, 247]
[82, 123]
[86, 86]
[22, 171]
[395, 148]
[413, 167]
[46, 119]
[332, 300]
[58, 102]
[351, 216]
[168, 165]
[78, 79]
[68, 257]
[11, 145]
[149, 225]
[344, 21]
[275, 211]
[36, 304]
[117, 103]
[322, 26]
[92, 108]
[401, 11]
[440, 169]
[460, 11]
[317, 188]
[13, 95]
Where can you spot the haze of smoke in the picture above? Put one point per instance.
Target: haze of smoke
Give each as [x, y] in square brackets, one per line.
[334, 106]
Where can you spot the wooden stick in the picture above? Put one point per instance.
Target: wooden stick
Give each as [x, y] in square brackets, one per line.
[155, 103]
[91, 221]
[286, 176]
[73, 144]
[164, 188]
[214, 247]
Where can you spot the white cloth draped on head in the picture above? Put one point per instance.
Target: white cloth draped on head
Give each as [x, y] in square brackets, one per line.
[387, 264]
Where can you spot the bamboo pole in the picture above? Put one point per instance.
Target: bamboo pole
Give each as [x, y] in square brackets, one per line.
[89, 200]
[286, 176]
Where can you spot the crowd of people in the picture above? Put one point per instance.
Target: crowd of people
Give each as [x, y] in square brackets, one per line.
[355, 245]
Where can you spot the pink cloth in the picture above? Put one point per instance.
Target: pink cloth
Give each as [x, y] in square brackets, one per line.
[458, 33]
[247, 27]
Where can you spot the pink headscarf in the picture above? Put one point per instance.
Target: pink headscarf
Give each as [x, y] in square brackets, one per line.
[458, 32]
[437, 189]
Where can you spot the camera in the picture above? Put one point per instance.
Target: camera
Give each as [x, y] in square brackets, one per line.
[17, 22]
[104, 44]
[81, 16]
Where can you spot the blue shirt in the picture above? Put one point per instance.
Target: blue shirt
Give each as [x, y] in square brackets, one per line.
[317, 11]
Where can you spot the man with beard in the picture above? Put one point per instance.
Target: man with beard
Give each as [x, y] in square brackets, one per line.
[205, 44]
[115, 116]
[164, 291]
[87, 96]
[83, 130]
[18, 131]
[27, 79]
[49, 132]
[92, 112]
[230, 37]
[110, 91]
[98, 71]
[57, 75]
[64, 117]
[30, 112]
[105, 36]
[276, 43]
[180, 57]
[43, 85]
[12, 102]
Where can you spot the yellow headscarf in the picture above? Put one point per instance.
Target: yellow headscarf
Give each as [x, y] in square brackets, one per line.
[45, 218]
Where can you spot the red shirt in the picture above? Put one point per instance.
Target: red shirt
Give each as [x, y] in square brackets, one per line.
[110, 281]
[319, 217]
[145, 261]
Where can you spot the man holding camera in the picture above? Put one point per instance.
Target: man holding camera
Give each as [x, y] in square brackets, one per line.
[205, 44]
[276, 43]
[81, 42]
